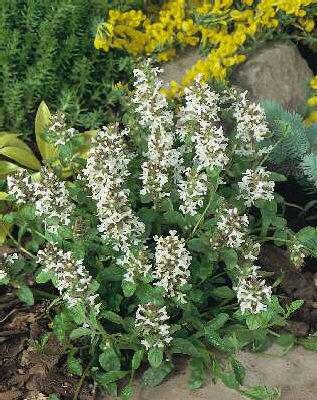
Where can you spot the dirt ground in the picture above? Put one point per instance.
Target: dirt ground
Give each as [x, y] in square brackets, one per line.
[294, 373]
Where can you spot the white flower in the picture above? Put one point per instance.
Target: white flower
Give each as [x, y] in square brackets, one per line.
[58, 133]
[136, 263]
[256, 185]
[52, 201]
[73, 279]
[106, 172]
[231, 229]
[6, 261]
[172, 263]
[252, 292]
[20, 186]
[199, 121]
[192, 190]
[152, 327]
[252, 127]
[153, 114]
[298, 254]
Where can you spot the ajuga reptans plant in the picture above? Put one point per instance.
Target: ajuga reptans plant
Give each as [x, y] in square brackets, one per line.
[153, 244]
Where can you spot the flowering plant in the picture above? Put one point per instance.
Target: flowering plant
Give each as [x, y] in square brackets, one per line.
[153, 247]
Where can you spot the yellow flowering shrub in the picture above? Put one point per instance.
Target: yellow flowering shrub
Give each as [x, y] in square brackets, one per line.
[226, 28]
[312, 102]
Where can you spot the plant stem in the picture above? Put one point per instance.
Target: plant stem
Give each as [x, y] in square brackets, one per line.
[203, 214]
[20, 246]
[82, 379]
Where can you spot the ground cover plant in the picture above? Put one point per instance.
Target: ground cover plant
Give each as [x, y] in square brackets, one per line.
[47, 53]
[149, 243]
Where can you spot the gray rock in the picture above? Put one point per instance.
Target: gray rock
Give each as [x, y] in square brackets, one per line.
[175, 69]
[275, 72]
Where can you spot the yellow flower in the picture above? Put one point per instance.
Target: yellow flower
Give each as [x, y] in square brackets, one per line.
[166, 55]
[312, 101]
[313, 83]
[312, 118]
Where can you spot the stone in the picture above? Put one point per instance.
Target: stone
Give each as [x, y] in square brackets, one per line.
[277, 72]
[175, 69]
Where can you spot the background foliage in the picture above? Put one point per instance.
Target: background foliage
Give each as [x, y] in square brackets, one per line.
[47, 54]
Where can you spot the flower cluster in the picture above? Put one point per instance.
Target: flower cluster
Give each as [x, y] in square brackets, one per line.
[252, 127]
[198, 121]
[192, 190]
[252, 292]
[105, 172]
[52, 201]
[58, 132]
[297, 254]
[7, 260]
[73, 279]
[256, 185]
[203, 138]
[49, 195]
[152, 326]
[20, 186]
[154, 115]
[136, 264]
[231, 229]
[172, 262]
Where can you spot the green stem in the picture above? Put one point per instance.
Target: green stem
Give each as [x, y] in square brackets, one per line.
[203, 214]
[82, 379]
[24, 250]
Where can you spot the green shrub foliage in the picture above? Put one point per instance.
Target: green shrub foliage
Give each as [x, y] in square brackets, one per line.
[47, 53]
[153, 243]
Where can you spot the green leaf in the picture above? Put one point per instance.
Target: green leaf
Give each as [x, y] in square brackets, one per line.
[229, 379]
[268, 213]
[109, 360]
[239, 370]
[253, 321]
[154, 376]
[309, 343]
[155, 357]
[197, 373]
[4, 196]
[261, 393]
[104, 378]
[229, 257]
[127, 393]
[4, 230]
[79, 332]
[7, 168]
[25, 294]
[112, 274]
[42, 122]
[223, 292]
[112, 317]
[217, 323]
[21, 156]
[183, 346]
[128, 288]
[137, 359]
[276, 177]
[295, 305]
[286, 340]
[42, 277]
[78, 313]
[199, 245]
[74, 366]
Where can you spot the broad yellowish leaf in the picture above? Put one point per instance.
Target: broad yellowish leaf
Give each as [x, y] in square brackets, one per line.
[4, 195]
[4, 230]
[42, 121]
[7, 168]
[21, 156]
